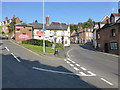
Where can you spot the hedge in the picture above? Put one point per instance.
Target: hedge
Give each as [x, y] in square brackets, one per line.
[40, 43]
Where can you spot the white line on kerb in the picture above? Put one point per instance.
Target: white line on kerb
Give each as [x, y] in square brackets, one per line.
[7, 48]
[106, 81]
[83, 68]
[47, 70]
[15, 57]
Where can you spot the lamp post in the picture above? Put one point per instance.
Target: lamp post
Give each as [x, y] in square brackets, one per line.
[43, 29]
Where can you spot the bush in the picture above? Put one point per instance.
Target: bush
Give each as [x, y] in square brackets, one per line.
[40, 43]
[37, 42]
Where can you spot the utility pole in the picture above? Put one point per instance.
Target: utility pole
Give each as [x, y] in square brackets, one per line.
[43, 29]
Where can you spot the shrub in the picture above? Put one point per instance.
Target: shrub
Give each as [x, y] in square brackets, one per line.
[37, 42]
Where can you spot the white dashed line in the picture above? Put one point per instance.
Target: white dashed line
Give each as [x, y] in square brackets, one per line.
[91, 73]
[82, 73]
[76, 68]
[72, 61]
[7, 49]
[71, 65]
[106, 81]
[83, 68]
[68, 62]
[77, 65]
[15, 57]
[69, 59]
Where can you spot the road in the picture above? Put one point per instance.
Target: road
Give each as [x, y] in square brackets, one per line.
[83, 69]
[105, 66]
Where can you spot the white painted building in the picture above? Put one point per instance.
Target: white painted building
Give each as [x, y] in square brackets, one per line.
[55, 32]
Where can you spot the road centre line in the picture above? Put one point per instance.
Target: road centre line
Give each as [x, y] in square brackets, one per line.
[7, 48]
[83, 68]
[106, 81]
[15, 57]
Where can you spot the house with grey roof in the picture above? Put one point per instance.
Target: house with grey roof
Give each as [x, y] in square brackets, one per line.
[55, 32]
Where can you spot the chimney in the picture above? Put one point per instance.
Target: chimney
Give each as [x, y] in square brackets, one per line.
[47, 20]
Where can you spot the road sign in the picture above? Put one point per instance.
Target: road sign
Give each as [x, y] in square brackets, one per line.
[44, 29]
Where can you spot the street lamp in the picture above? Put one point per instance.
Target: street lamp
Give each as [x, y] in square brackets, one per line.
[43, 29]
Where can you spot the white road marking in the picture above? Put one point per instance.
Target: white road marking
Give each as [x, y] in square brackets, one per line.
[65, 60]
[15, 57]
[68, 62]
[72, 61]
[83, 68]
[77, 65]
[106, 81]
[47, 70]
[76, 68]
[69, 59]
[71, 65]
[7, 49]
[91, 73]
[82, 73]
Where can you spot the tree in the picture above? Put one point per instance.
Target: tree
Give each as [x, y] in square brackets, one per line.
[73, 27]
[12, 25]
[88, 24]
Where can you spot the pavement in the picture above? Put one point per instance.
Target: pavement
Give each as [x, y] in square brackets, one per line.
[81, 68]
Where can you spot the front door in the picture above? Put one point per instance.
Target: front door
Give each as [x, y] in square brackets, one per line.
[106, 46]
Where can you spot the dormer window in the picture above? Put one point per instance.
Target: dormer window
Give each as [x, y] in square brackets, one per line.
[112, 19]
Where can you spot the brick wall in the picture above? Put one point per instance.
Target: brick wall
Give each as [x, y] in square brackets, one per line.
[105, 37]
[23, 33]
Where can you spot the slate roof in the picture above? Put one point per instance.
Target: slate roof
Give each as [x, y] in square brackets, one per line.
[37, 25]
[52, 26]
[57, 26]
[23, 24]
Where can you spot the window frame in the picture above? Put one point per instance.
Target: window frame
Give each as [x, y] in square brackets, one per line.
[114, 47]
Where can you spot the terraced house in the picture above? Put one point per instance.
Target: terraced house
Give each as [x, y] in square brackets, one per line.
[5, 24]
[108, 37]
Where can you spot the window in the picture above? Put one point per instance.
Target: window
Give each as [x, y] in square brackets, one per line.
[30, 30]
[113, 32]
[18, 29]
[113, 45]
[24, 33]
[98, 36]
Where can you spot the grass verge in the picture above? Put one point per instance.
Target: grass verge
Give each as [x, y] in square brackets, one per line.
[38, 49]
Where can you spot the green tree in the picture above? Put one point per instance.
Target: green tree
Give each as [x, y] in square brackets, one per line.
[12, 25]
[88, 24]
[73, 27]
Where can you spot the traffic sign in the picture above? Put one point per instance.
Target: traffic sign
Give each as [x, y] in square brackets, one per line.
[44, 29]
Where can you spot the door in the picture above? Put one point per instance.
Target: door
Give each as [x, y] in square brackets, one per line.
[106, 46]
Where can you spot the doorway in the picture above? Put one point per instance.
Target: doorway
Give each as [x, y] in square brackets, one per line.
[106, 47]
